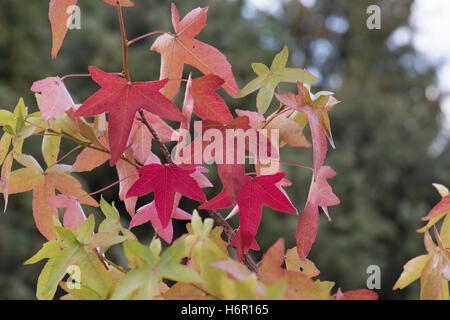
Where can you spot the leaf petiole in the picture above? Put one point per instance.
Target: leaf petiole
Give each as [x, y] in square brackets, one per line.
[146, 36]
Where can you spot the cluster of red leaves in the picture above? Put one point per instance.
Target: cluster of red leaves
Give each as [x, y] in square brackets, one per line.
[128, 143]
[127, 136]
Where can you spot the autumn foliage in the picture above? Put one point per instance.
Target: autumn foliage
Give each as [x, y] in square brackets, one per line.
[118, 124]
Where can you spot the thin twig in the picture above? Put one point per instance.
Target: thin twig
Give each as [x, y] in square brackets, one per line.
[75, 75]
[280, 111]
[124, 42]
[89, 145]
[65, 156]
[161, 144]
[284, 162]
[146, 36]
[109, 186]
[81, 143]
[86, 75]
[105, 259]
[229, 231]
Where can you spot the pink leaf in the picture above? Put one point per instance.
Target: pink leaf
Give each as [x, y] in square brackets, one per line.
[55, 99]
[149, 213]
[128, 175]
[74, 215]
[165, 181]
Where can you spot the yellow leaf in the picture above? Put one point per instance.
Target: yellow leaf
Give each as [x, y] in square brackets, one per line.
[5, 176]
[293, 262]
[444, 290]
[445, 231]
[22, 180]
[430, 280]
[411, 271]
[443, 190]
[5, 142]
[50, 150]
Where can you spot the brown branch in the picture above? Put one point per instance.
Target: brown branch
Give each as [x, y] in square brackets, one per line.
[161, 144]
[124, 42]
[109, 262]
[89, 145]
[229, 231]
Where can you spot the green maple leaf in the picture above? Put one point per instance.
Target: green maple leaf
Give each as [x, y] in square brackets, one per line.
[268, 79]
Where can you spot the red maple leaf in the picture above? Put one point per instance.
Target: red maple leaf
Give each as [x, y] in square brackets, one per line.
[208, 105]
[165, 181]
[256, 192]
[232, 174]
[122, 99]
[203, 149]
[180, 48]
[237, 243]
[320, 195]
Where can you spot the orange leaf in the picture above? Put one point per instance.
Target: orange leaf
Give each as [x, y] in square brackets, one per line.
[181, 48]
[43, 212]
[68, 185]
[59, 18]
[299, 285]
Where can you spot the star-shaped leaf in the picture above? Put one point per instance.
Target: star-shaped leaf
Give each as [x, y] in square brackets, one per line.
[122, 99]
[165, 181]
[208, 105]
[268, 79]
[44, 185]
[256, 192]
[181, 47]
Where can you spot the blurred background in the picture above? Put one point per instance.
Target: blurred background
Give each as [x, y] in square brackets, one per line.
[391, 130]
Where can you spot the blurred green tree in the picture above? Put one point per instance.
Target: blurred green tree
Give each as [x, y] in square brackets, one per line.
[383, 129]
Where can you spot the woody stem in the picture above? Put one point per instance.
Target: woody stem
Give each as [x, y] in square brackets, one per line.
[124, 42]
[161, 144]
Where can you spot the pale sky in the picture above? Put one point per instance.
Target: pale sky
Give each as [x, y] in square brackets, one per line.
[430, 21]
